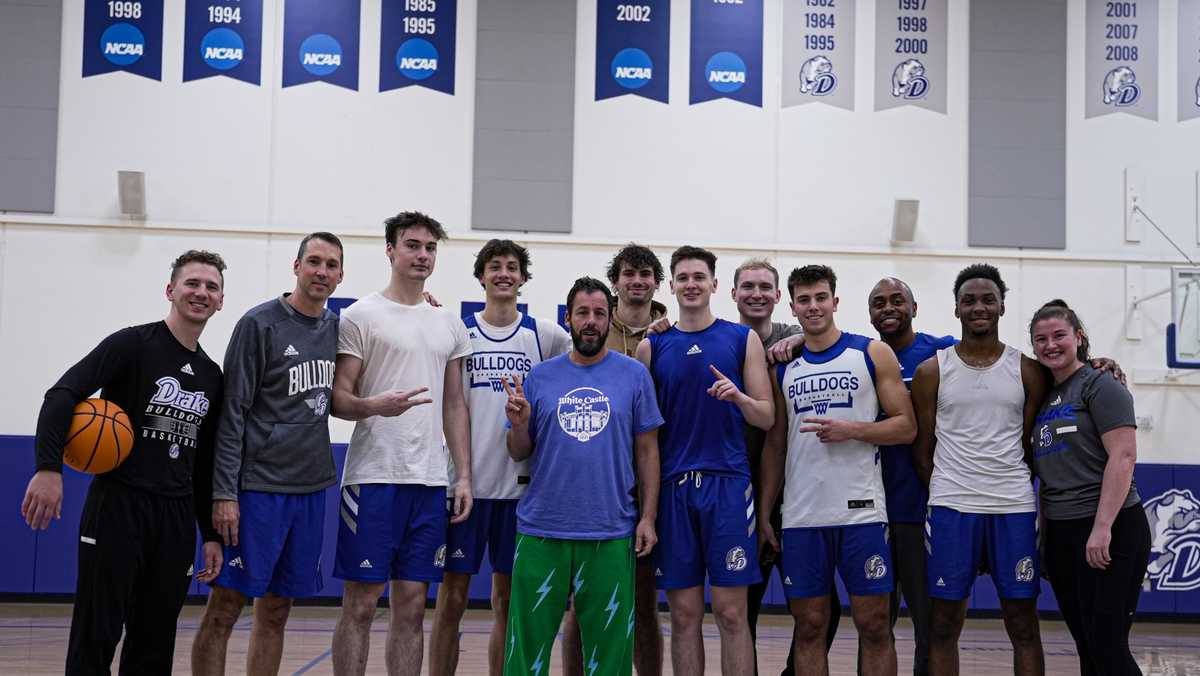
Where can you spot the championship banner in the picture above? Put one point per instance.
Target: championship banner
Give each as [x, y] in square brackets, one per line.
[1121, 75]
[726, 51]
[910, 54]
[416, 44]
[1189, 59]
[223, 37]
[633, 48]
[320, 42]
[818, 52]
[123, 35]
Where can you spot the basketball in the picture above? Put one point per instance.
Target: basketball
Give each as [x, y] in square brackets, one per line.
[100, 437]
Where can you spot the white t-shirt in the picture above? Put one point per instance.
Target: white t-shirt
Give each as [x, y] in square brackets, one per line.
[498, 352]
[402, 347]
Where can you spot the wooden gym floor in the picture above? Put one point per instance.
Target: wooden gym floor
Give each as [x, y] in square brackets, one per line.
[33, 641]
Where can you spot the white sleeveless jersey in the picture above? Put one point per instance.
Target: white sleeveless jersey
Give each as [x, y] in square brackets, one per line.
[836, 484]
[496, 354]
[979, 462]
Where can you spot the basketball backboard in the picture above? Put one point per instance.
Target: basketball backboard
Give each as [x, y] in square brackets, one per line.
[1183, 333]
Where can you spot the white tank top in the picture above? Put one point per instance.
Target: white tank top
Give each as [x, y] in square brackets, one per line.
[838, 484]
[497, 354]
[979, 462]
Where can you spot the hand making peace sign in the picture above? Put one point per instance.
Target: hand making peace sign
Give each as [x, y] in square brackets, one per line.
[517, 408]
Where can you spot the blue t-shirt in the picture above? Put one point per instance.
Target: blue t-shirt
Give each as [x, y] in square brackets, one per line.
[583, 422]
[702, 433]
[906, 495]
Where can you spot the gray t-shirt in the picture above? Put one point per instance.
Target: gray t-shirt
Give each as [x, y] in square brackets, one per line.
[1069, 456]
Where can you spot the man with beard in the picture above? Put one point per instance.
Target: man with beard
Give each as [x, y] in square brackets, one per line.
[503, 341]
[635, 273]
[581, 420]
[976, 405]
[891, 307]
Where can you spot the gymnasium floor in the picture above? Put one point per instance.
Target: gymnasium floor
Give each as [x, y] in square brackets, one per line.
[33, 639]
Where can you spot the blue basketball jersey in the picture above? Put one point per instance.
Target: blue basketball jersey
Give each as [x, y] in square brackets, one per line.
[701, 433]
[906, 495]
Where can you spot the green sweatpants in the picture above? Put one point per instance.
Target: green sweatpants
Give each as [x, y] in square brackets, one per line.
[546, 571]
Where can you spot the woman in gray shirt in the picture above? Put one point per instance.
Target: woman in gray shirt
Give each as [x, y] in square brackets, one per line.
[1097, 539]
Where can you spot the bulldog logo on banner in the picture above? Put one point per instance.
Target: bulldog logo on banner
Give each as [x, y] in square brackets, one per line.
[1121, 58]
[910, 54]
[320, 42]
[726, 51]
[223, 37]
[123, 35]
[818, 53]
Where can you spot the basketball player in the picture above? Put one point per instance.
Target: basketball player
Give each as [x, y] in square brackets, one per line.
[711, 379]
[582, 419]
[976, 405]
[393, 349]
[137, 533]
[756, 293]
[503, 342]
[891, 307]
[273, 461]
[828, 403]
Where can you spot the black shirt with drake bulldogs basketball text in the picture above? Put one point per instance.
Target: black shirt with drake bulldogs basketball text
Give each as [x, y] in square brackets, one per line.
[173, 398]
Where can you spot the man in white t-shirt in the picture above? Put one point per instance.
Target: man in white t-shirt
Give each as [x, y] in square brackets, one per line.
[399, 375]
[504, 341]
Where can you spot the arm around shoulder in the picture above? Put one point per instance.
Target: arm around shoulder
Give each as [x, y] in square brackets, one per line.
[925, 384]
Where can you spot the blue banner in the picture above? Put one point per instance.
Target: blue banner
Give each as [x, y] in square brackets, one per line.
[726, 51]
[320, 42]
[416, 44]
[633, 44]
[223, 37]
[123, 35]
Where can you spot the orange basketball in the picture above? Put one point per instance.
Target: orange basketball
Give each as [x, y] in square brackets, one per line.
[100, 437]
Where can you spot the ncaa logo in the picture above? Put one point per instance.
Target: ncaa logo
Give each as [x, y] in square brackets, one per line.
[320, 54]
[875, 568]
[173, 452]
[735, 559]
[1174, 518]
[816, 76]
[122, 44]
[439, 559]
[632, 68]
[725, 72]
[222, 49]
[417, 59]
[1121, 88]
[908, 80]
[1024, 570]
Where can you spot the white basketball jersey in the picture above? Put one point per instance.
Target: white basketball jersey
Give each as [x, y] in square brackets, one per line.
[835, 484]
[979, 462]
[497, 354]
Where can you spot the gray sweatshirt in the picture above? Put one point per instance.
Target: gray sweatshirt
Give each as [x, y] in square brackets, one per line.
[274, 430]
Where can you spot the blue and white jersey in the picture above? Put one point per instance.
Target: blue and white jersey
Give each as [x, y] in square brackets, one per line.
[835, 484]
[701, 433]
[498, 353]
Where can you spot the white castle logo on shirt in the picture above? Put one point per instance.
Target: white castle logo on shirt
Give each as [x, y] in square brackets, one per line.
[1174, 518]
[819, 392]
[583, 412]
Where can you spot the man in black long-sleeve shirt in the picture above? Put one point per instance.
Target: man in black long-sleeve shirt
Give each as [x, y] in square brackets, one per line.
[136, 534]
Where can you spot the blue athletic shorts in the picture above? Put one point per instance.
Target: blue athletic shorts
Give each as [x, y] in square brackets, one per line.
[860, 553]
[491, 524]
[706, 523]
[958, 543]
[391, 531]
[279, 545]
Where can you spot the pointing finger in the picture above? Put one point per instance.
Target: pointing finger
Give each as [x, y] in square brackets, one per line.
[717, 373]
